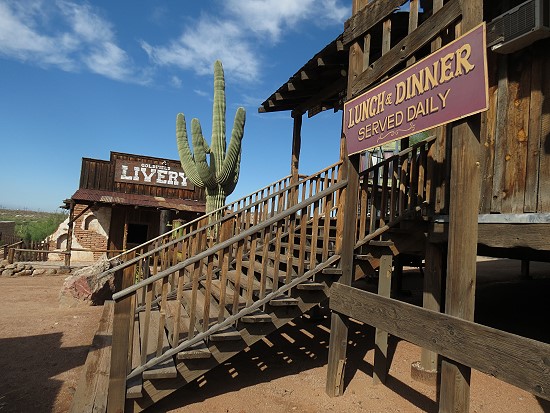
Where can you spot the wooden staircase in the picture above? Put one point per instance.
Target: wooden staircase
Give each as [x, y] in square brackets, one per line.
[197, 296]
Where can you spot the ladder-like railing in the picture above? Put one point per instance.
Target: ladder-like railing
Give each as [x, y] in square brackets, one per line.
[394, 189]
[187, 227]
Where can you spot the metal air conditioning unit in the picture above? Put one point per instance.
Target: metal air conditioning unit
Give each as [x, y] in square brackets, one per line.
[519, 27]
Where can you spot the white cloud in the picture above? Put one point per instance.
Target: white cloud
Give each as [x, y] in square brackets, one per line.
[176, 82]
[200, 45]
[66, 35]
[235, 35]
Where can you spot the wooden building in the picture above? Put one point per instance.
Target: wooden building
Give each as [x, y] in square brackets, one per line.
[126, 201]
[478, 183]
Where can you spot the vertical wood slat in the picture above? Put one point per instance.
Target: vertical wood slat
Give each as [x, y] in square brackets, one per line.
[303, 242]
[315, 230]
[380, 369]
[374, 200]
[543, 204]
[160, 333]
[290, 250]
[384, 196]
[121, 346]
[207, 292]
[403, 186]
[238, 273]
[196, 273]
[394, 195]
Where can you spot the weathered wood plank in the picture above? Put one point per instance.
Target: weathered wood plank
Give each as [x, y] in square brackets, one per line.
[166, 369]
[534, 137]
[120, 346]
[86, 395]
[372, 14]
[517, 135]
[135, 385]
[177, 317]
[500, 134]
[380, 370]
[514, 359]
[544, 166]
[406, 47]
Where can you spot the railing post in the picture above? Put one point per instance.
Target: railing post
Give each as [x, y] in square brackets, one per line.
[11, 254]
[120, 347]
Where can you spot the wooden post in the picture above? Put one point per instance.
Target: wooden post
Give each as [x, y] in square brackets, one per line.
[70, 236]
[381, 337]
[296, 146]
[339, 322]
[465, 185]
[426, 369]
[345, 232]
[120, 348]
[295, 160]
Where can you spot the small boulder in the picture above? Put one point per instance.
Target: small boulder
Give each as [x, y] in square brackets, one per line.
[85, 285]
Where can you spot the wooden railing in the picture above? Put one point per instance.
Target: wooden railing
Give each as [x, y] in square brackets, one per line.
[203, 220]
[394, 189]
[268, 231]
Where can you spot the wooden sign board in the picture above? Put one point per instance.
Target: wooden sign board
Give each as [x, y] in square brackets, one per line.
[449, 84]
[162, 174]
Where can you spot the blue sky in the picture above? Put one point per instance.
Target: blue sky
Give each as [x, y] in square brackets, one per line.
[83, 78]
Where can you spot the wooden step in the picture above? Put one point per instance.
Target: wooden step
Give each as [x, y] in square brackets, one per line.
[257, 316]
[165, 369]
[229, 333]
[196, 351]
[134, 386]
[283, 301]
[310, 286]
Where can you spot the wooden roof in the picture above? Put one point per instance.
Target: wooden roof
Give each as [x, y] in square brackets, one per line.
[319, 85]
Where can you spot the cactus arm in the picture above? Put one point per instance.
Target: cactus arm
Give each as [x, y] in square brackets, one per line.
[186, 157]
[233, 155]
[218, 119]
[231, 182]
[201, 150]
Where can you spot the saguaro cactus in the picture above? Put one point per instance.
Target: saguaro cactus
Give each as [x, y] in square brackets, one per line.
[220, 176]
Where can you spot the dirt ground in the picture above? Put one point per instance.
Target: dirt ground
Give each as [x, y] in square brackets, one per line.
[43, 347]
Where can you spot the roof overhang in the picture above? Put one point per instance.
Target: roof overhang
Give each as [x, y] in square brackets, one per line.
[319, 85]
[92, 196]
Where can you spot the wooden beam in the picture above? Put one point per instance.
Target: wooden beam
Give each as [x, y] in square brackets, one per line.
[296, 145]
[381, 366]
[465, 189]
[360, 23]
[120, 349]
[517, 360]
[427, 31]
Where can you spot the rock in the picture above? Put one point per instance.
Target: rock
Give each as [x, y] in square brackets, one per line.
[84, 285]
[38, 271]
[25, 273]
[10, 266]
[50, 271]
[7, 273]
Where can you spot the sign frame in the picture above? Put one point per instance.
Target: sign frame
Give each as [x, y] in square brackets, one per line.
[449, 84]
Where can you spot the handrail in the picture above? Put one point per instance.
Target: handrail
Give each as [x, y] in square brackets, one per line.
[241, 236]
[151, 241]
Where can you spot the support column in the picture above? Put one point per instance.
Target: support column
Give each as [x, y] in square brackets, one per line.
[462, 252]
[347, 215]
[296, 145]
[425, 370]
[345, 232]
[465, 187]
[381, 367]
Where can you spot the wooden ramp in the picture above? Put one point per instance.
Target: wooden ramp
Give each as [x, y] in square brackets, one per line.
[91, 390]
